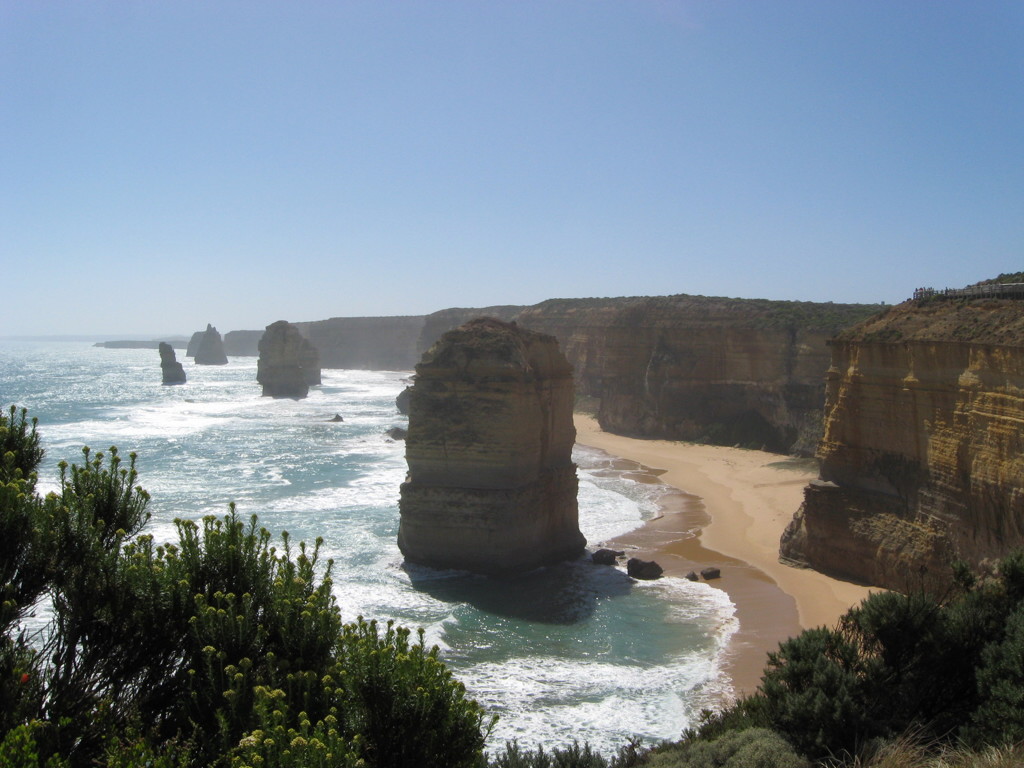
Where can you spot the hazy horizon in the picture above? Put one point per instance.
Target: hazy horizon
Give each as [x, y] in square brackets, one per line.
[185, 335]
[171, 165]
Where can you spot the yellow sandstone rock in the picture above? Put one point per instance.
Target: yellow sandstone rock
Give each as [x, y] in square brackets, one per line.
[922, 459]
[491, 485]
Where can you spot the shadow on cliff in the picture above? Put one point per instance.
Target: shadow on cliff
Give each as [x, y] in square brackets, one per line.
[565, 593]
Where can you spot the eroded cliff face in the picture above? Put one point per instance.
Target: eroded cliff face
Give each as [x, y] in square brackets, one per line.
[491, 485]
[366, 343]
[288, 364]
[725, 371]
[922, 459]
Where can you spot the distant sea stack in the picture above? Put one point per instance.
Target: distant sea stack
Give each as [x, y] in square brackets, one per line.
[209, 347]
[288, 364]
[172, 371]
[923, 453]
[491, 485]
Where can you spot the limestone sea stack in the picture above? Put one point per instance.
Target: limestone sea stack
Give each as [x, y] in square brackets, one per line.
[491, 485]
[288, 363]
[210, 350]
[173, 372]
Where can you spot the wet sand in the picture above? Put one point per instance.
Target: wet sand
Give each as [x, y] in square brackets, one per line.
[728, 511]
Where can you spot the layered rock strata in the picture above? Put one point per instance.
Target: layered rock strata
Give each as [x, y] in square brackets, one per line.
[209, 348]
[491, 486]
[705, 369]
[922, 460]
[288, 364]
[171, 370]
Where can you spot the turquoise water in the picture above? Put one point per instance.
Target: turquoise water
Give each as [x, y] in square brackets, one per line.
[573, 651]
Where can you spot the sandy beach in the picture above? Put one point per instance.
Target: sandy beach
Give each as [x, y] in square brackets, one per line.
[729, 510]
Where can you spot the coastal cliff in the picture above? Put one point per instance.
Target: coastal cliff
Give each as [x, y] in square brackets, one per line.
[491, 485]
[922, 460]
[704, 369]
[744, 372]
[366, 343]
[242, 343]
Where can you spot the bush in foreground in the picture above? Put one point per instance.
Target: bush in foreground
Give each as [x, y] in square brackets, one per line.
[219, 649]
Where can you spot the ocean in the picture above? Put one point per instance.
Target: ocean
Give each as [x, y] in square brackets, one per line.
[570, 652]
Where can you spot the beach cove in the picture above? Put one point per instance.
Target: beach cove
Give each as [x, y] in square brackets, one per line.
[728, 509]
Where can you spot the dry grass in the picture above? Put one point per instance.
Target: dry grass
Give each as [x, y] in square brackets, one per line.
[909, 753]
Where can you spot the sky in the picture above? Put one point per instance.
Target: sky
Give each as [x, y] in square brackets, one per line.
[164, 165]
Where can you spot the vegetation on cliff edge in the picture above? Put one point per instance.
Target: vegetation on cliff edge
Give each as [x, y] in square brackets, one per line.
[709, 311]
[979, 321]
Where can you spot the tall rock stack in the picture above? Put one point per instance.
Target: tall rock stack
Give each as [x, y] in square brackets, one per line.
[172, 371]
[288, 363]
[210, 350]
[491, 485]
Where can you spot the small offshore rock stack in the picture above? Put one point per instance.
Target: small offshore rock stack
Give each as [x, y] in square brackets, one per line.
[491, 485]
[173, 372]
[288, 363]
[210, 349]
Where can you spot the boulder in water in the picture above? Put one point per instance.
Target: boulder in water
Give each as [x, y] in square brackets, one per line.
[605, 557]
[643, 569]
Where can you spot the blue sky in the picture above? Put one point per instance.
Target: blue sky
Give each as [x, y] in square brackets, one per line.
[168, 164]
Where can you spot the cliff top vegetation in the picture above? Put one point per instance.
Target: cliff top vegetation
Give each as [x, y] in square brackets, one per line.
[1006, 277]
[712, 311]
[981, 321]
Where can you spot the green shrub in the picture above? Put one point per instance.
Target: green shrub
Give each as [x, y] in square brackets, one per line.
[572, 756]
[404, 701]
[20, 748]
[748, 748]
[813, 693]
[999, 719]
[304, 745]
